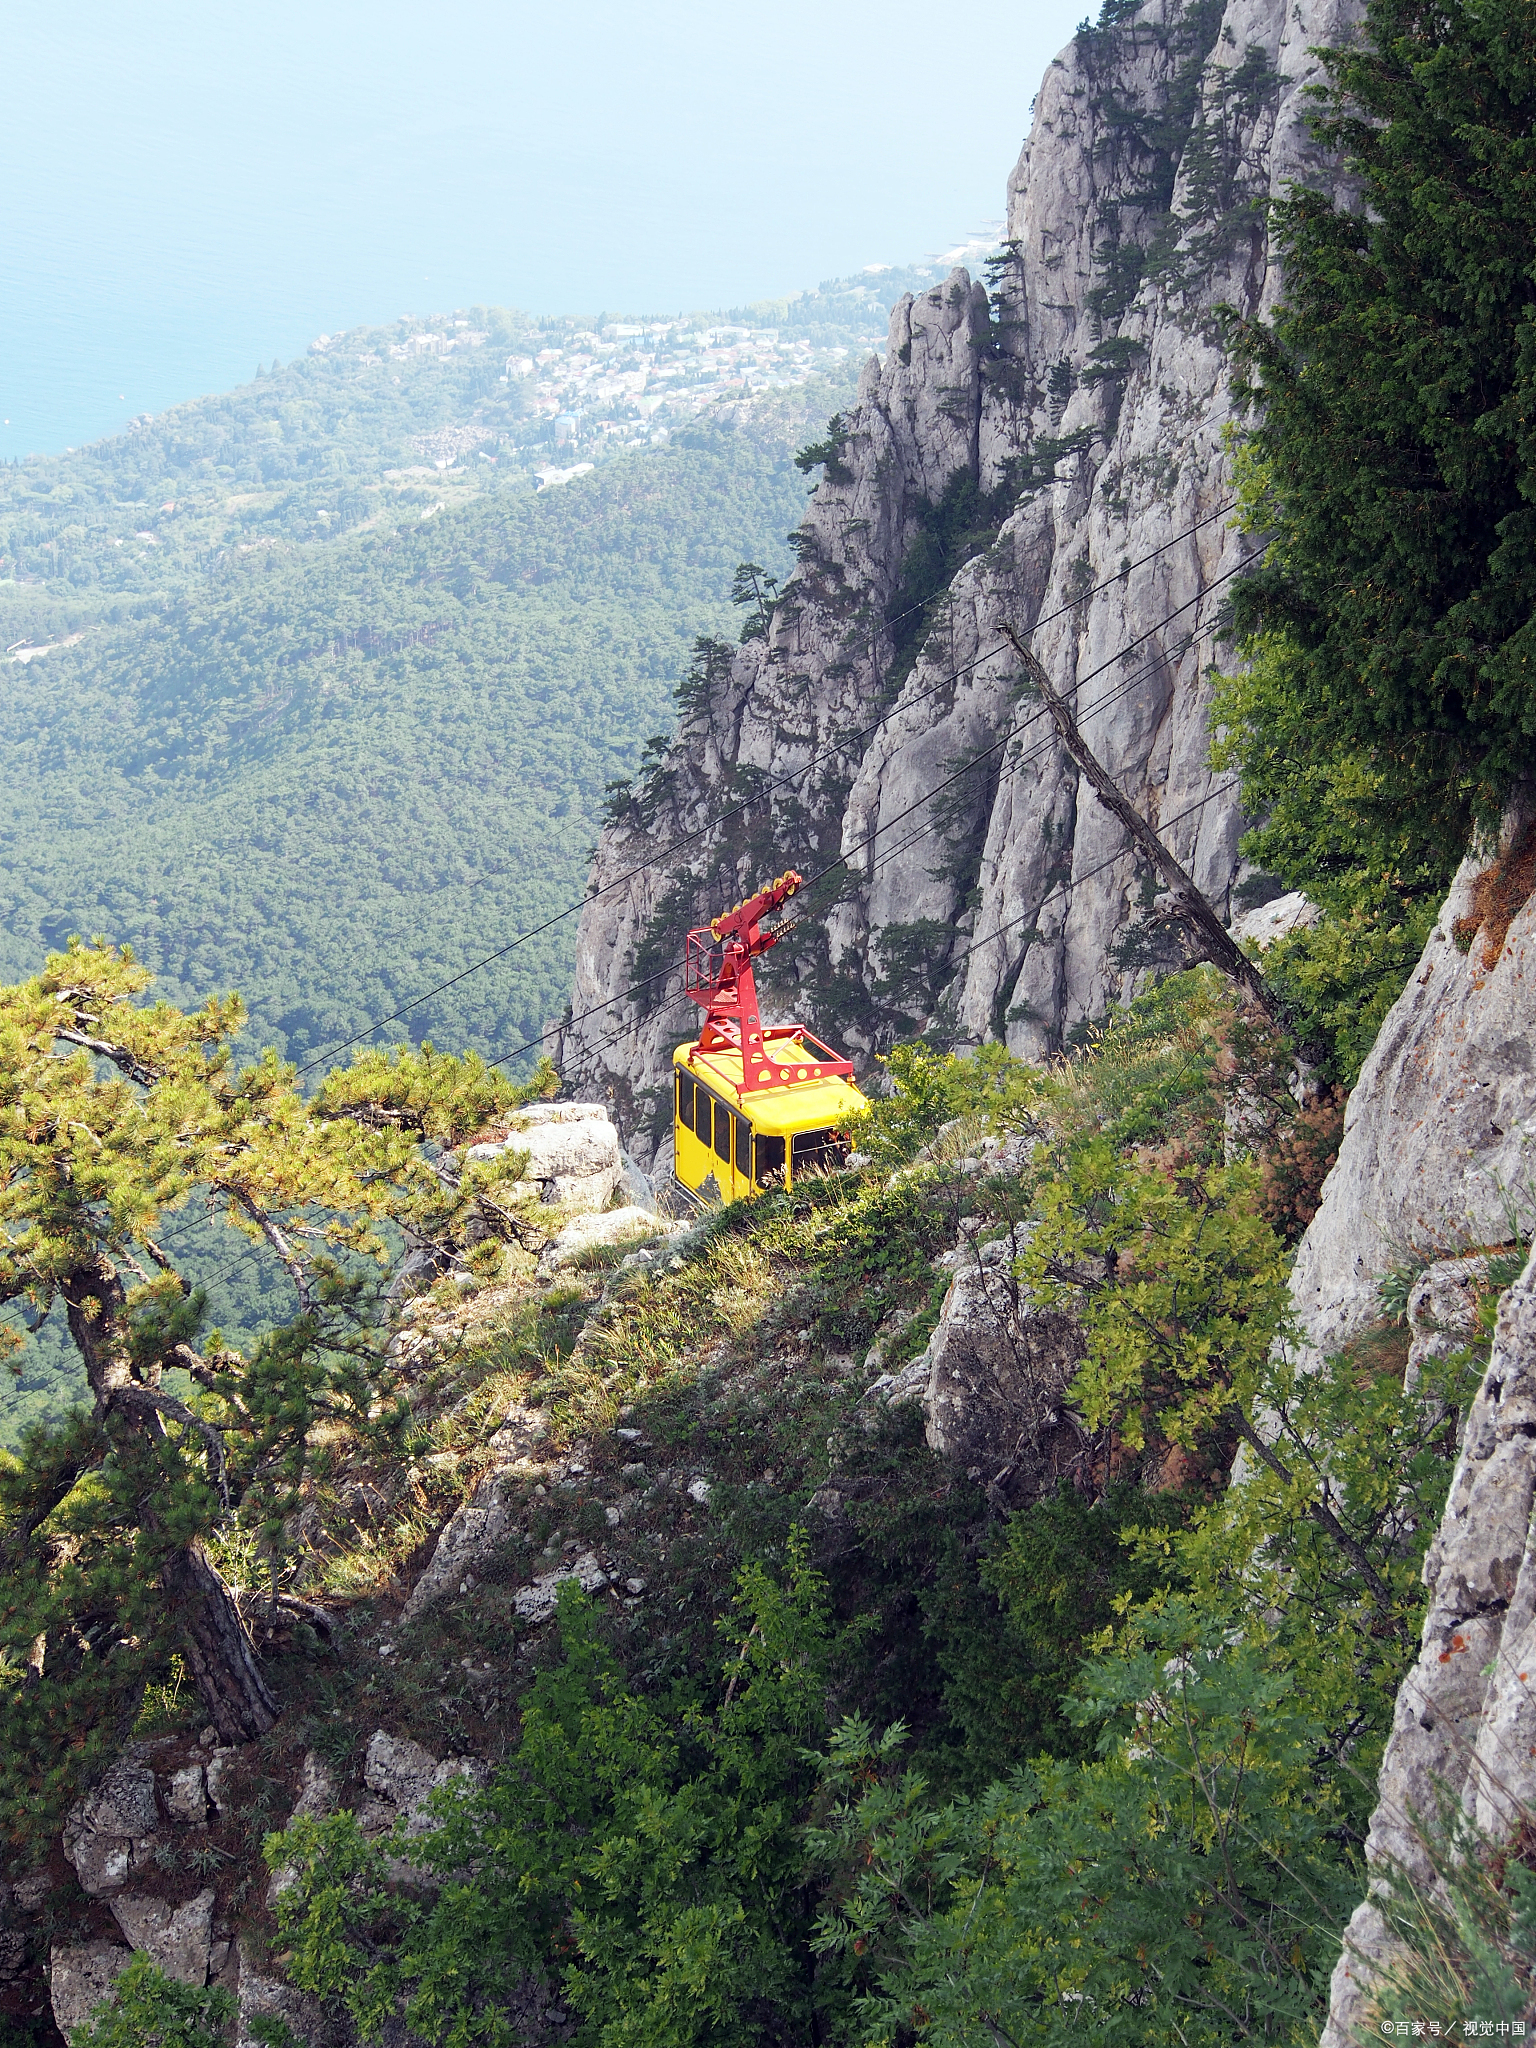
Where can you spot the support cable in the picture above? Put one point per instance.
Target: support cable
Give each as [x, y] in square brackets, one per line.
[837, 746]
[1112, 696]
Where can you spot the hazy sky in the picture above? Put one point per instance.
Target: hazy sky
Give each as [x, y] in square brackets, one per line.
[191, 188]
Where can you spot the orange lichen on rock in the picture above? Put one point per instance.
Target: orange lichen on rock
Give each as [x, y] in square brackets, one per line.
[1499, 894]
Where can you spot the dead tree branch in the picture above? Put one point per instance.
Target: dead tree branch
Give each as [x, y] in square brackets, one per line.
[1191, 905]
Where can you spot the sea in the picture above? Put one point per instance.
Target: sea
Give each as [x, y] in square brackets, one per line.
[192, 191]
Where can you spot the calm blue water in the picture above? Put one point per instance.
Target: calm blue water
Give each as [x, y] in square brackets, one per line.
[190, 190]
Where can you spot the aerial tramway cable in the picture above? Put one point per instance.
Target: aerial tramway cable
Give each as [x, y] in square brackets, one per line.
[1061, 889]
[1034, 753]
[839, 745]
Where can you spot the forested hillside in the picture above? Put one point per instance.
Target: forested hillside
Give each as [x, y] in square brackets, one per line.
[335, 779]
[308, 690]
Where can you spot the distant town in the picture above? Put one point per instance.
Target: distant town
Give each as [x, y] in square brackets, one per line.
[381, 425]
[628, 381]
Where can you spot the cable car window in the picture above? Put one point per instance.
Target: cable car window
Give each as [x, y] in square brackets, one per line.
[685, 1101]
[723, 1132]
[817, 1148]
[770, 1158]
[743, 1146]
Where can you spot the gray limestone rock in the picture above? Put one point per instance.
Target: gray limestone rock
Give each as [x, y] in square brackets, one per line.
[1464, 1726]
[473, 1534]
[403, 1775]
[222, 1774]
[536, 1602]
[997, 1372]
[103, 1827]
[80, 1977]
[185, 1797]
[398, 1769]
[31, 1891]
[632, 1225]
[264, 1996]
[573, 1152]
[1442, 1312]
[176, 1938]
[1437, 1136]
[1433, 1158]
[316, 1798]
[995, 903]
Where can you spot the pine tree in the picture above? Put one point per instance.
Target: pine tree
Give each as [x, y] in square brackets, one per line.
[1393, 464]
[114, 1116]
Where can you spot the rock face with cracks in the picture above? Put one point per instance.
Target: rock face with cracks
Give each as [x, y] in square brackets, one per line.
[1437, 1135]
[997, 1371]
[1051, 459]
[1433, 1157]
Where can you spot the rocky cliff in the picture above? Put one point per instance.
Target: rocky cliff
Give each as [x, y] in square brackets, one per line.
[1049, 457]
[1434, 1176]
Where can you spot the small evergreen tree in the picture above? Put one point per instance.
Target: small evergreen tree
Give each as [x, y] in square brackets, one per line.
[113, 1117]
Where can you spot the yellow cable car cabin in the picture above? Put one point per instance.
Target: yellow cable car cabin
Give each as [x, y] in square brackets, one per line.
[763, 1138]
[754, 1106]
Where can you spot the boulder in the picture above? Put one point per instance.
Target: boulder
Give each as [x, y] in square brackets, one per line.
[185, 1798]
[80, 1977]
[103, 1828]
[264, 1997]
[995, 1376]
[403, 1776]
[222, 1774]
[317, 1789]
[631, 1226]
[316, 1797]
[573, 1153]
[398, 1769]
[31, 1891]
[1276, 919]
[536, 1603]
[476, 1530]
[176, 1938]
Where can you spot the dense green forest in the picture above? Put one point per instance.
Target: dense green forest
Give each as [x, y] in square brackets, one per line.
[324, 717]
[335, 780]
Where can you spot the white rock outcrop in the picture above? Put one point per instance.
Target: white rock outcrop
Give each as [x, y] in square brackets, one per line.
[1437, 1155]
[574, 1156]
[631, 1226]
[1092, 393]
[1276, 919]
[537, 1602]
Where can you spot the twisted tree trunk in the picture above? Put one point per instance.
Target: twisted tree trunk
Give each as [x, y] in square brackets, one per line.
[236, 1697]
